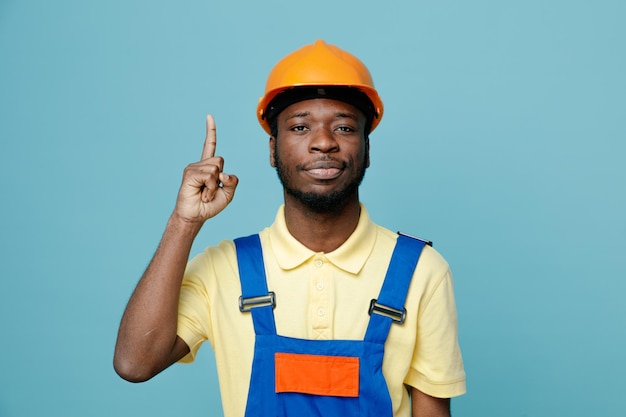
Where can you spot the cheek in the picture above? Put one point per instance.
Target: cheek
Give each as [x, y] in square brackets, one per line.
[362, 156]
[290, 153]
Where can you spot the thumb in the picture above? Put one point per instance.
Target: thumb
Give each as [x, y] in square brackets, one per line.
[229, 184]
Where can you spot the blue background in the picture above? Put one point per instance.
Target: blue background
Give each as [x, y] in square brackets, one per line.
[502, 141]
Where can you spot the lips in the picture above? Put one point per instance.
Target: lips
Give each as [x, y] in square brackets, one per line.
[325, 169]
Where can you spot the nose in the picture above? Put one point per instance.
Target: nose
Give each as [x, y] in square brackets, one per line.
[323, 141]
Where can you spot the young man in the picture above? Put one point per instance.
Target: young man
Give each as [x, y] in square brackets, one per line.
[324, 312]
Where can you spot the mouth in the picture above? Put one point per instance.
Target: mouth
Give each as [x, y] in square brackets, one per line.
[324, 170]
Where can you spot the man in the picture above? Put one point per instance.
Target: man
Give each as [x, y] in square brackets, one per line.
[286, 311]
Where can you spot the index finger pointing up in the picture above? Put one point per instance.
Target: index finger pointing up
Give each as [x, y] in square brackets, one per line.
[210, 142]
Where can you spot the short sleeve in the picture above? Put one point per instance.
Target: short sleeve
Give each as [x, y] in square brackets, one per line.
[437, 364]
[193, 305]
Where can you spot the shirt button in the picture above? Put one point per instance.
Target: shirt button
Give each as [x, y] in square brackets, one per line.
[320, 286]
[320, 312]
[319, 263]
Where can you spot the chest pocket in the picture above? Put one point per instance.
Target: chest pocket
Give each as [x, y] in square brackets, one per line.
[336, 376]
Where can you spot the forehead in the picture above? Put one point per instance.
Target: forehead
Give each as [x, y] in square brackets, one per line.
[322, 107]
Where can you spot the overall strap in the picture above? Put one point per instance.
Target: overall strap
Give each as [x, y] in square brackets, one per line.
[389, 307]
[255, 297]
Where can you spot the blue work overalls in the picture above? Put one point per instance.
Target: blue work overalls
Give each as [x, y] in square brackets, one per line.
[331, 378]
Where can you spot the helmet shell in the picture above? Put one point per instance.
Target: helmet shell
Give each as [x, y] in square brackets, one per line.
[319, 64]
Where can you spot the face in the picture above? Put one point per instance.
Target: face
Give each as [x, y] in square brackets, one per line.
[320, 153]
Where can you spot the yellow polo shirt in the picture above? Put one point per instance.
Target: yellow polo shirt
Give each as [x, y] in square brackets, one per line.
[325, 296]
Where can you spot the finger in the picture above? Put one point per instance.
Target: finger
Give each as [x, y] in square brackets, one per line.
[207, 196]
[210, 142]
[209, 189]
[229, 184]
[229, 181]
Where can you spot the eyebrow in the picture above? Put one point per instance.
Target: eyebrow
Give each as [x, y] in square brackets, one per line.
[299, 114]
[338, 115]
[342, 115]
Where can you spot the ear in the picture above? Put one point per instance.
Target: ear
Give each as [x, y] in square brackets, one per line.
[367, 152]
[272, 144]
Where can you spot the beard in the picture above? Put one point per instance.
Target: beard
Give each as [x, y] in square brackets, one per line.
[321, 202]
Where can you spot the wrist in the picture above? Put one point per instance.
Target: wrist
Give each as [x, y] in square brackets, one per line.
[183, 225]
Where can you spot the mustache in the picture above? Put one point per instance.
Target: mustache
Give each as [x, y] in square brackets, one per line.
[325, 162]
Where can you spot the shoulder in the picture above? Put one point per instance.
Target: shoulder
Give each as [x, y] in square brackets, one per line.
[430, 259]
[432, 262]
[431, 274]
[221, 258]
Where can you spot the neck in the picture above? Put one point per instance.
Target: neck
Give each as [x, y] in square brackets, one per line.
[321, 231]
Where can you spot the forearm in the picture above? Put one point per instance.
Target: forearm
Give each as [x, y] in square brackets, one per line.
[146, 341]
[426, 406]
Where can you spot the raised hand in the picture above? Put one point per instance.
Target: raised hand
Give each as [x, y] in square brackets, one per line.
[206, 190]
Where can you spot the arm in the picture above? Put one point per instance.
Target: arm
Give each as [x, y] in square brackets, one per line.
[147, 342]
[437, 366]
[426, 406]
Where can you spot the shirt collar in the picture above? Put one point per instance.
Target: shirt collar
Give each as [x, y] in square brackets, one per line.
[351, 256]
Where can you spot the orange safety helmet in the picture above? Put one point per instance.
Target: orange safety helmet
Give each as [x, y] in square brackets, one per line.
[319, 65]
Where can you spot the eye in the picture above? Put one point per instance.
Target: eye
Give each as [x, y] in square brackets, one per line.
[346, 129]
[298, 128]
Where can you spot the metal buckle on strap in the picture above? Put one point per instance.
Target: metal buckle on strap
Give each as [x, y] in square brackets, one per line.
[247, 304]
[397, 316]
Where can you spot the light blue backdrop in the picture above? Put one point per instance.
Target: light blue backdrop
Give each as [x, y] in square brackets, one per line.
[502, 141]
